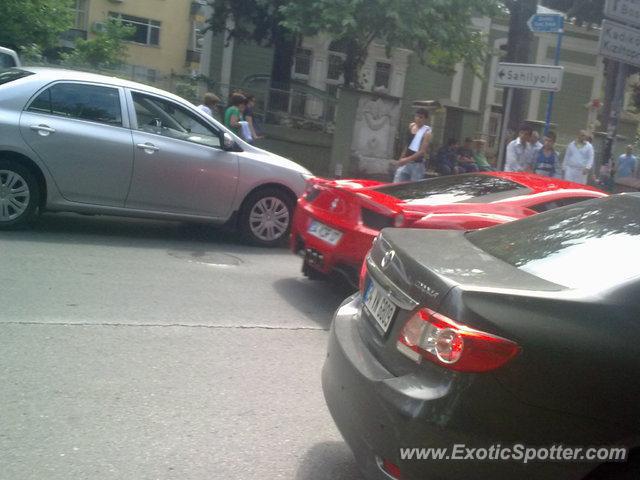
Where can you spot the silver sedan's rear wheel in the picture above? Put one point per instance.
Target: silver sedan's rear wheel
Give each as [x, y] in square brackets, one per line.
[18, 194]
[266, 217]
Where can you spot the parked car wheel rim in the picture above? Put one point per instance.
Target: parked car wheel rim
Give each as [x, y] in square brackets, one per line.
[14, 195]
[269, 218]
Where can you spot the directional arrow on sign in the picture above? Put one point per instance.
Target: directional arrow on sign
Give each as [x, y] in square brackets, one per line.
[546, 23]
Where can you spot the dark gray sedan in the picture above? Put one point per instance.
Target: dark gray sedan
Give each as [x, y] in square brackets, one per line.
[510, 352]
[80, 142]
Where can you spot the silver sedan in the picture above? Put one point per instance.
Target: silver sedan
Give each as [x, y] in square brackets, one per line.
[86, 143]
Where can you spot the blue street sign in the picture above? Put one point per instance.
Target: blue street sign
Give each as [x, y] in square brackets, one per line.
[546, 23]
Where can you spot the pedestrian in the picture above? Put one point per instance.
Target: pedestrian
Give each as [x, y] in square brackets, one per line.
[627, 165]
[479, 155]
[578, 159]
[410, 167]
[520, 152]
[233, 114]
[210, 104]
[546, 161]
[445, 161]
[250, 119]
[535, 141]
[465, 159]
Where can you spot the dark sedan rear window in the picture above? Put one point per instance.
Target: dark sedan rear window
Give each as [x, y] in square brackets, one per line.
[12, 74]
[593, 244]
[454, 188]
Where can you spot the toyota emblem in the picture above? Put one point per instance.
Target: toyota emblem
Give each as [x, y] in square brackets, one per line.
[387, 259]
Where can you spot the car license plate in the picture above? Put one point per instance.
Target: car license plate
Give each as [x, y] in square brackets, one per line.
[380, 307]
[321, 231]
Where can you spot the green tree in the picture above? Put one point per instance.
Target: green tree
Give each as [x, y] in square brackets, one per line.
[258, 21]
[439, 32]
[105, 50]
[40, 22]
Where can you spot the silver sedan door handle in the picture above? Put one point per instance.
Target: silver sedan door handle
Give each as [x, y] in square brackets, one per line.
[148, 147]
[43, 130]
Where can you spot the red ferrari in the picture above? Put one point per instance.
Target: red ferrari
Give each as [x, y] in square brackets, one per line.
[337, 220]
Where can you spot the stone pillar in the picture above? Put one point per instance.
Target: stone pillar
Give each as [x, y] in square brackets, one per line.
[365, 131]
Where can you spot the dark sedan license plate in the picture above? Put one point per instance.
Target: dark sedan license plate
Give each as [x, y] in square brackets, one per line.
[379, 306]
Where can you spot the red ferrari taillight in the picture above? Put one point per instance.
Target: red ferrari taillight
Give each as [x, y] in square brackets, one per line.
[398, 220]
[436, 338]
[311, 189]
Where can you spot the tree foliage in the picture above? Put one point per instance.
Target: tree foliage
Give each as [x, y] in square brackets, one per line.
[27, 22]
[105, 50]
[258, 21]
[253, 20]
[438, 31]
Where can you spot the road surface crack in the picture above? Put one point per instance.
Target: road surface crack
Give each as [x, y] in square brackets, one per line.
[168, 325]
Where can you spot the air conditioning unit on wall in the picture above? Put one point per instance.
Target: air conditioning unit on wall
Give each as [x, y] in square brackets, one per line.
[99, 27]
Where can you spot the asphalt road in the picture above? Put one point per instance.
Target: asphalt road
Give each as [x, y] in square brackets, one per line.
[142, 350]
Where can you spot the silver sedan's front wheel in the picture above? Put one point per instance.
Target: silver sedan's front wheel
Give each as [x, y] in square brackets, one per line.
[266, 219]
[18, 194]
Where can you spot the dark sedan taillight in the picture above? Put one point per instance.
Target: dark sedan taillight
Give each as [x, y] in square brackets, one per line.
[363, 275]
[434, 337]
[375, 220]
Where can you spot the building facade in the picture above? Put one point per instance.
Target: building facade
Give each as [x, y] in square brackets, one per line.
[166, 41]
[464, 104]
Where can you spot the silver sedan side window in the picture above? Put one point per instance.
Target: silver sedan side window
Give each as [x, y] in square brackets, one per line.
[93, 103]
[163, 117]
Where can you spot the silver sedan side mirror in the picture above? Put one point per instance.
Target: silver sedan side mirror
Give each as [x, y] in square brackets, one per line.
[227, 141]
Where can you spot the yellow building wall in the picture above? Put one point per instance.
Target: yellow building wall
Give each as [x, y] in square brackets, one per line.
[175, 31]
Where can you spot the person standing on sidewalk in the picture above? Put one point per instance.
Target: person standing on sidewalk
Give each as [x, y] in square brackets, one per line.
[210, 104]
[546, 161]
[411, 165]
[627, 165]
[233, 114]
[578, 159]
[520, 152]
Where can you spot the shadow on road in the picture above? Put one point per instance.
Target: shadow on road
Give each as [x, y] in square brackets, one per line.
[69, 228]
[316, 299]
[328, 461]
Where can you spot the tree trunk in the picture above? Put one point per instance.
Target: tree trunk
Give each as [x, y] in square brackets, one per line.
[350, 65]
[284, 43]
[519, 47]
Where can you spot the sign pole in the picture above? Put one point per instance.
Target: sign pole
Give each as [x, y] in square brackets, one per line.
[612, 131]
[556, 62]
[503, 133]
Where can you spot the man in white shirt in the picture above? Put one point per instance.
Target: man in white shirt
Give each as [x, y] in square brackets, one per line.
[520, 152]
[411, 165]
[578, 159]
